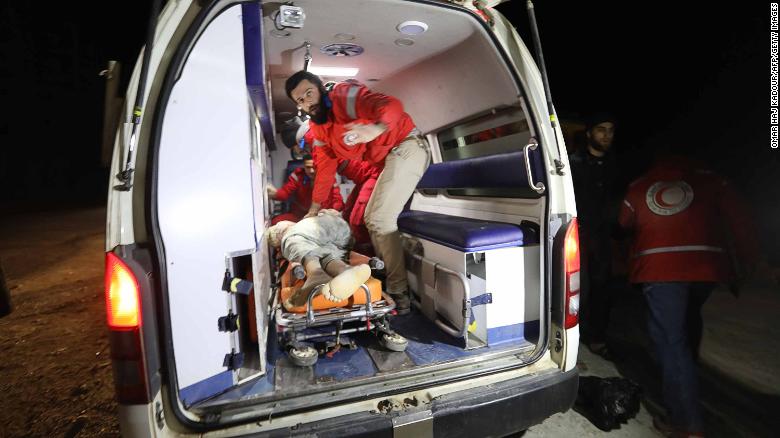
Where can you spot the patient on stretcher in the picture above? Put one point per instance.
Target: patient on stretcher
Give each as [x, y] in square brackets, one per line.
[319, 243]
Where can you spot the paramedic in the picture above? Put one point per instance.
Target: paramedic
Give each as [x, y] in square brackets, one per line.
[679, 215]
[594, 173]
[299, 186]
[351, 122]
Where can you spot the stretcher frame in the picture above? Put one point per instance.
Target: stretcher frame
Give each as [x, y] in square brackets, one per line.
[293, 333]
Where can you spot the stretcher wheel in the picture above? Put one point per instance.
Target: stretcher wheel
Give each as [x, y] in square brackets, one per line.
[393, 341]
[302, 356]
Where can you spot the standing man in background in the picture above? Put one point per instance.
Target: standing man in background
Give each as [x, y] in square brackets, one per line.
[594, 172]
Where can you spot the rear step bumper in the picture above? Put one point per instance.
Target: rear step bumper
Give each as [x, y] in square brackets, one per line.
[494, 410]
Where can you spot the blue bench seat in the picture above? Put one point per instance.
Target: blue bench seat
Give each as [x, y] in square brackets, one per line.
[465, 234]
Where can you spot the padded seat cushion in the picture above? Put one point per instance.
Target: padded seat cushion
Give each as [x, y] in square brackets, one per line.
[465, 234]
[493, 171]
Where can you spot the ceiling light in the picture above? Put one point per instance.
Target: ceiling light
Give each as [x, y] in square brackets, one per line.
[333, 71]
[404, 42]
[291, 16]
[412, 27]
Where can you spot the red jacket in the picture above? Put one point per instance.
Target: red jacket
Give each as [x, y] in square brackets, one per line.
[682, 217]
[364, 175]
[301, 186]
[354, 102]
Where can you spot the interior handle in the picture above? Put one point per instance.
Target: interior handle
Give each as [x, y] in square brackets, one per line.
[531, 146]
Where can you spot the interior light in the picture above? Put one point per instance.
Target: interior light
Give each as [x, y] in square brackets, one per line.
[334, 71]
[412, 27]
[291, 16]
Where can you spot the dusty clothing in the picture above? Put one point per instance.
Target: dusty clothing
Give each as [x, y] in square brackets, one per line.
[353, 102]
[326, 237]
[681, 216]
[404, 167]
[299, 187]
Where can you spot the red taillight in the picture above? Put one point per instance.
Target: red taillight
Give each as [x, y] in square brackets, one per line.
[572, 264]
[122, 298]
[123, 311]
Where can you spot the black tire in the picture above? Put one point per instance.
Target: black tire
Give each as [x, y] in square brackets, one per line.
[302, 356]
[393, 342]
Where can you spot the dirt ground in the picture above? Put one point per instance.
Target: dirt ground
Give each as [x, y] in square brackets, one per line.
[55, 367]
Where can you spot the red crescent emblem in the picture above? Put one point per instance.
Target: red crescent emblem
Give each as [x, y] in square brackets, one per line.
[659, 197]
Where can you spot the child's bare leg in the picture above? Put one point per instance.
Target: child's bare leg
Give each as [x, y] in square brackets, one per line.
[315, 276]
[346, 279]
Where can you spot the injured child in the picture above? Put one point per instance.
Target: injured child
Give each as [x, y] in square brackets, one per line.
[320, 243]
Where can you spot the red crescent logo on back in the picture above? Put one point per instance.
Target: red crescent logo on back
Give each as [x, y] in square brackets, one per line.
[666, 198]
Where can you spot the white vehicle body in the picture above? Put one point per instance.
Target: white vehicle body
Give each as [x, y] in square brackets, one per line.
[204, 154]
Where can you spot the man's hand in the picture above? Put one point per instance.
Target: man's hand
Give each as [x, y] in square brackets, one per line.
[271, 191]
[313, 210]
[361, 133]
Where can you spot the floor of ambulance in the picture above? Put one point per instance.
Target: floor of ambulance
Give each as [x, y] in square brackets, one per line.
[428, 345]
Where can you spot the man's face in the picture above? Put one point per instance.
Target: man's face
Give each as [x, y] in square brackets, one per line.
[309, 100]
[600, 136]
[308, 167]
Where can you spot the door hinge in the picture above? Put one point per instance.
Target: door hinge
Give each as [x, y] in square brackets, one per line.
[228, 323]
[233, 360]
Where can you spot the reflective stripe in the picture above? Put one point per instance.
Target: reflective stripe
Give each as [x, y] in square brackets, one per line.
[351, 99]
[687, 248]
[628, 204]
[294, 176]
[319, 143]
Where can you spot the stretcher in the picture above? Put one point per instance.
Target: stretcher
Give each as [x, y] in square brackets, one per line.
[299, 328]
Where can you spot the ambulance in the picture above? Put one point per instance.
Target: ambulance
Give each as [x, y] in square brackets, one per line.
[490, 233]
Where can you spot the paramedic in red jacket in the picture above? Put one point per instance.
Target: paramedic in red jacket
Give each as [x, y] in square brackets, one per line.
[352, 122]
[680, 216]
[299, 185]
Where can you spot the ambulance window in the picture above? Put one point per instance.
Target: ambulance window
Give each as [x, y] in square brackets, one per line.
[500, 132]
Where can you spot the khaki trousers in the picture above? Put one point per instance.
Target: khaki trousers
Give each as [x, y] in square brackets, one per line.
[404, 166]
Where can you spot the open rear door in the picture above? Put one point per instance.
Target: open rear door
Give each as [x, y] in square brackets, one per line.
[210, 216]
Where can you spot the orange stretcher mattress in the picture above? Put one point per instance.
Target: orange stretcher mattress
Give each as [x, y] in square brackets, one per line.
[290, 285]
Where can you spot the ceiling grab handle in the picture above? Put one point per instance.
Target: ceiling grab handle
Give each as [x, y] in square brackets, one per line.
[307, 57]
[531, 146]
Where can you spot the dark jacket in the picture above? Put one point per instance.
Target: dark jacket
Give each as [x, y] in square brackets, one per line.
[597, 191]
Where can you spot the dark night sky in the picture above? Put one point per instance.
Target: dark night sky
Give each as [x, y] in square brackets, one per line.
[694, 76]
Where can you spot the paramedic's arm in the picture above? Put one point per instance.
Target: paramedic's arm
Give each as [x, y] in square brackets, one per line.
[338, 201]
[627, 217]
[326, 165]
[385, 110]
[735, 212]
[284, 193]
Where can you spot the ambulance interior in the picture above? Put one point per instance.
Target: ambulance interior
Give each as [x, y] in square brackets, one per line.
[473, 230]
